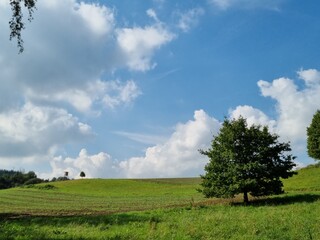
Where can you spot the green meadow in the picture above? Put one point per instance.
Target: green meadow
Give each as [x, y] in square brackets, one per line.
[158, 209]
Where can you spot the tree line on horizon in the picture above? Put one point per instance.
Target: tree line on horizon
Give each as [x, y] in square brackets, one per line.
[13, 178]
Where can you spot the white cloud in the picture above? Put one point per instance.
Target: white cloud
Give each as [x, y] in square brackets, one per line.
[110, 94]
[295, 106]
[100, 165]
[189, 19]
[34, 130]
[117, 93]
[175, 157]
[310, 76]
[70, 48]
[151, 13]
[253, 116]
[138, 44]
[99, 19]
[65, 49]
[179, 155]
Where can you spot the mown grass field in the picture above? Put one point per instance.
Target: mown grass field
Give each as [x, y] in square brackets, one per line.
[158, 209]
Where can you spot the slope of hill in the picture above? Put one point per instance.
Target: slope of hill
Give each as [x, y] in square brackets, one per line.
[93, 196]
[157, 209]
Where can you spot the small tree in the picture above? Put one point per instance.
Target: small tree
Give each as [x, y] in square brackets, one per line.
[246, 160]
[82, 174]
[313, 140]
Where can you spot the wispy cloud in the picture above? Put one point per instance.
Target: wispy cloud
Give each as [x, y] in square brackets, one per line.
[246, 4]
[142, 138]
[190, 18]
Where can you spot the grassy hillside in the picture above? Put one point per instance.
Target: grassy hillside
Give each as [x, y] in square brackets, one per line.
[99, 196]
[308, 179]
[172, 209]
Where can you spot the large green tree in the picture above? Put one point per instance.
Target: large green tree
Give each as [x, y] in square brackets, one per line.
[313, 140]
[16, 23]
[245, 160]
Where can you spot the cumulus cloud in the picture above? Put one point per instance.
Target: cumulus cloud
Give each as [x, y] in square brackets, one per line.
[99, 19]
[189, 19]
[61, 61]
[99, 165]
[179, 155]
[176, 156]
[295, 107]
[33, 130]
[311, 77]
[109, 94]
[139, 43]
[254, 116]
[71, 47]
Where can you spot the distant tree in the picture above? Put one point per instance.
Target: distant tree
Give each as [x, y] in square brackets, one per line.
[33, 181]
[247, 160]
[62, 179]
[82, 174]
[313, 137]
[16, 23]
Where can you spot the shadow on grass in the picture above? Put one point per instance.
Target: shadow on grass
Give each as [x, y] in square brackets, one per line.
[13, 226]
[282, 200]
[93, 220]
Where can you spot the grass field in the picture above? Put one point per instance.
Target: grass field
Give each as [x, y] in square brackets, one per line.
[157, 209]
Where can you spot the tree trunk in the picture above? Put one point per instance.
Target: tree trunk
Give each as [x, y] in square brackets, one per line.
[245, 197]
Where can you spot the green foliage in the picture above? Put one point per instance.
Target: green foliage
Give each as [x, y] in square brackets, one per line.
[313, 140]
[33, 181]
[245, 160]
[11, 178]
[41, 187]
[16, 23]
[82, 174]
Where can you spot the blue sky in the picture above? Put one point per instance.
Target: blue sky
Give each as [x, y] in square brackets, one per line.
[135, 88]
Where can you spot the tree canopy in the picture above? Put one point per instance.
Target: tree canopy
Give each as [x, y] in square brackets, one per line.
[313, 137]
[16, 23]
[247, 160]
[82, 174]
[11, 178]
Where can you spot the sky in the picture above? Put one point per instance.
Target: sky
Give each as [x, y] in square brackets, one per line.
[133, 89]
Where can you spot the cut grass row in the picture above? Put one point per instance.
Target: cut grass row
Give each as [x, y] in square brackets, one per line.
[98, 196]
